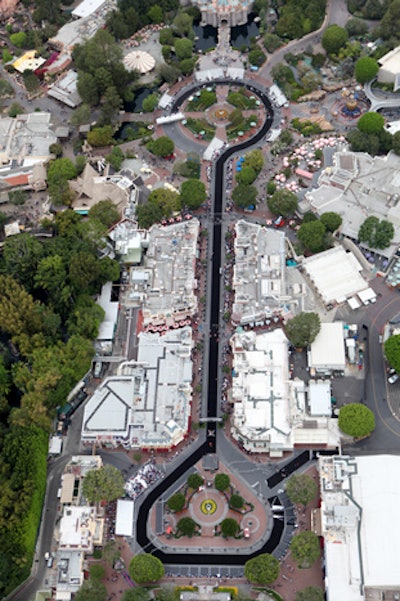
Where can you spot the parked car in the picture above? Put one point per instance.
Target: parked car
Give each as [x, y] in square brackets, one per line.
[393, 378]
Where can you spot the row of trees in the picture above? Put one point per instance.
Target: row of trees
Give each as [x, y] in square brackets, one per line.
[49, 318]
[245, 194]
[162, 203]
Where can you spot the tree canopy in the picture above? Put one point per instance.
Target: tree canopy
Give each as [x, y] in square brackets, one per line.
[193, 193]
[371, 123]
[177, 502]
[366, 68]
[236, 501]
[332, 221]
[392, 351]
[305, 548]
[312, 236]
[103, 484]
[229, 527]
[222, 482]
[186, 527]
[106, 212]
[377, 234]
[355, 419]
[263, 569]
[244, 196]
[91, 590]
[303, 329]
[301, 488]
[162, 147]
[146, 568]
[334, 38]
[283, 202]
[195, 481]
[310, 593]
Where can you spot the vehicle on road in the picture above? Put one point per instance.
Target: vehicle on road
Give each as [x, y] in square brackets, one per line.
[393, 378]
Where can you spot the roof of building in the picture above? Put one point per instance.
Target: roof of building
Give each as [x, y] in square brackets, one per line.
[87, 8]
[69, 573]
[260, 388]
[359, 499]
[148, 403]
[28, 62]
[259, 272]
[166, 287]
[391, 61]
[319, 397]
[91, 188]
[26, 138]
[358, 186]
[65, 89]
[124, 518]
[327, 351]
[80, 528]
[110, 308]
[336, 274]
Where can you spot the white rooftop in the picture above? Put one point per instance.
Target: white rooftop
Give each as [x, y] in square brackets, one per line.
[110, 308]
[259, 273]
[124, 518]
[79, 528]
[327, 352]
[148, 403]
[319, 397]
[167, 294]
[359, 524]
[86, 8]
[336, 274]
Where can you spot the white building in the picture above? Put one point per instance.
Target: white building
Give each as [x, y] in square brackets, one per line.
[356, 187]
[336, 274]
[148, 404]
[70, 492]
[327, 352]
[80, 529]
[259, 273]
[270, 411]
[164, 287]
[358, 520]
[389, 70]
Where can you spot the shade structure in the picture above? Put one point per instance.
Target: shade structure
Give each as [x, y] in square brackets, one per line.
[139, 61]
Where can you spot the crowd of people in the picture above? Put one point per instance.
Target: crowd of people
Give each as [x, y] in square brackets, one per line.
[143, 35]
[147, 474]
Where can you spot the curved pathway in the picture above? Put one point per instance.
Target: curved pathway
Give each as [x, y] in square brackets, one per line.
[211, 374]
[379, 100]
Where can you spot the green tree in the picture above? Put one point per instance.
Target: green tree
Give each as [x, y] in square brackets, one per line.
[168, 73]
[155, 14]
[106, 212]
[97, 571]
[147, 214]
[305, 548]
[18, 39]
[236, 501]
[283, 202]
[186, 527]
[303, 329]
[22, 255]
[150, 103]
[244, 196]
[187, 65]
[183, 48]
[100, 136]
[366, 69]
[103, 484]
[59, 173]
[301, 488]
[162, 147]
[15, 109]
[138, 593]
[91, 590]
[263, 569]
[377, 234]
[229, 527]
[312, 236]
[310, 593]
[165, 593]
[356, 420]
[115, 158]
[85, 317]
[254, 160]
[356, 27]
[177, 502]
[334, 38]
[222, 482]
[195, 481]
[183, 24]
[256, 57]
[56, 149]
[332, 221]
[31, 82]
[51, 275]
[145, 568]
[392, 351]
[166, 37]
[168, 200]
[193, 193]
[246, 176]
[371, 123]
[272, 42]
[80, 115]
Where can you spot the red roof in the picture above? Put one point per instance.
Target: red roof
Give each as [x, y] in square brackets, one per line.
[18, 180]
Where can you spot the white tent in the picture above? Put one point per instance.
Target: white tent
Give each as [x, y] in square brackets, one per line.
[139, 61]
[124, 518]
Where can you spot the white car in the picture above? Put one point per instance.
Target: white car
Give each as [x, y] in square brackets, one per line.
[393, 378]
